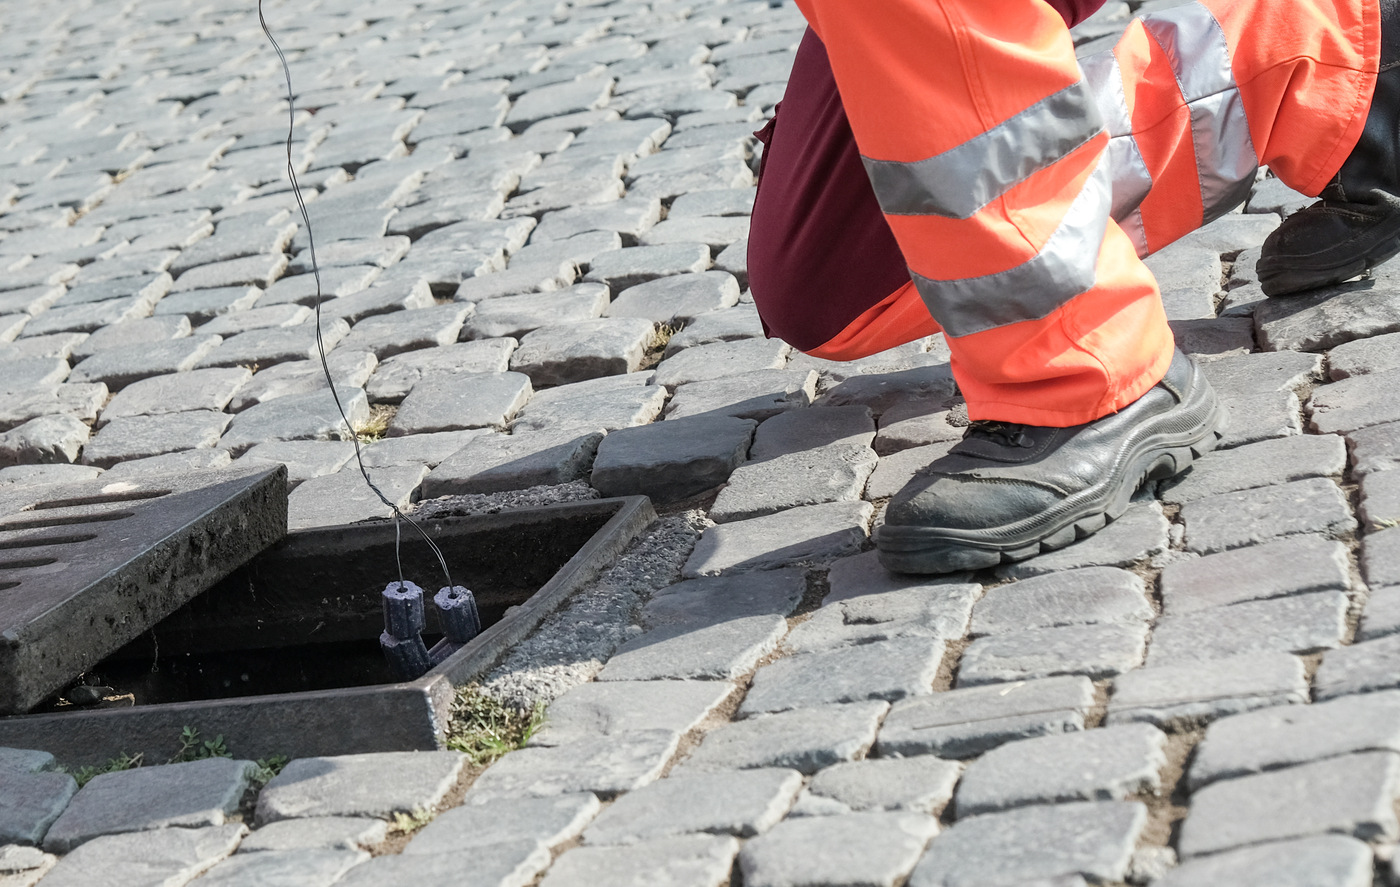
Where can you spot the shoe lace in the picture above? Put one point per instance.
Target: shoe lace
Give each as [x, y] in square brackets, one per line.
[1007, 434]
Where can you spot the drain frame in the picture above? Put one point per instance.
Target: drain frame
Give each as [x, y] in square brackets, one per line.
[403, 716]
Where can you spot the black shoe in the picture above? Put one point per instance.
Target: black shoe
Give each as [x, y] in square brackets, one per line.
[1356, 224]
[1007, 492]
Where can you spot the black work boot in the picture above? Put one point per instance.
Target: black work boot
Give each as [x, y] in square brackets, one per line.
[1356, 224]
[1007, 492]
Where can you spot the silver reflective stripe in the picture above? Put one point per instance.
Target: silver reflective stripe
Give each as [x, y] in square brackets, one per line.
[1064, 268]
[1200, 57]
[1132, 180]
[962, 180]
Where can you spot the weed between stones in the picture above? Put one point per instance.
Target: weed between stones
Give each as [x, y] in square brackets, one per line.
[192, 748]
[485, 728]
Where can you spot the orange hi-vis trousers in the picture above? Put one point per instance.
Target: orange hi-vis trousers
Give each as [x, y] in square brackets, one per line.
[1023, 185]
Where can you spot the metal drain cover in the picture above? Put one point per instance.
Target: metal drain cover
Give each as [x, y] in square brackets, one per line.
[85, 568]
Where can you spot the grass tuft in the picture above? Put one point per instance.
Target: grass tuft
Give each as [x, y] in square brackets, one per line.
[484, 728]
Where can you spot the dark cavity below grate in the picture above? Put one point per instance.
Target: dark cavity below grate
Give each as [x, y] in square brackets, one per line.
[282, 656]
[86, 568]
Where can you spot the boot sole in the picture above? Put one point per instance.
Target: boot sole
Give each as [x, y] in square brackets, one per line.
[1287, 281]
[1159, 455]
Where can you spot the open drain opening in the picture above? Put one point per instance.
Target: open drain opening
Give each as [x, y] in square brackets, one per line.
[307, 614]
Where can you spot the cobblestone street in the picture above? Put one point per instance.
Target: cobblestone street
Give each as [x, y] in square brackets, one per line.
[531, 220]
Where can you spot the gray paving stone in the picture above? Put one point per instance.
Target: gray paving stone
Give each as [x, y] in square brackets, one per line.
[835, 473]
[23, 866]
[1140, 533]
[344, 498]
[1381, 617]
[897, 469]
[1380, 557]
[183, 462]
[137, 437]
[374, 785]
[509, 864]
[728, 202]
[270, 317]
[190, 795]
[677, 299]
[1380, 500]
[146, 859]
[629, 217]
[729, 325]
[381, 251]
[304, 459]
[310, 867]
[202, 305]
[25, 760]
[31, 802]
[395, 377]
[1271, 195]
[559, 99]
[1328, 317]
[1281, 737]
[881, 390]
[58, 345]
[310, 416]
[34, 372]
[1352, 795]
[855, 848]
[493, 463]
[1234, 520]
[1256, 417]
[685, 861]
[119, 367]
[349, 370]
[806, 740]
[1092, 839]
[195, 390]
[81, 401]
[1319, 861]
[1361, 668]
[578, 250]
[603, 708]
[87, 318]
[810, 533]
[1110, 764]
[27, 475]
[454, 403]
[133, 332]
[1353, 403]
[1259, 465]
[572, 352]
[320, 832]
[47, 439]
[799, 430]
[756, 395]
[549, 822]
[607, 766]
[417, 449]
[1376, 448]
[368, 301]
[713, 628]
[1303, 623]
[671, 460]
[1099, 651]
[263, 348]
[964, 723]
[1085, 596]
[1212, 338]
[609, 403]
[922, 784]
[1362, 357]
[517, 315]
[715, 232]
[742, 803]
[1197, 692]
[889, 670]
[917, 610]
[705, 363]
[388, 334]
[250, 271]
[1278, 569]
[918, 423]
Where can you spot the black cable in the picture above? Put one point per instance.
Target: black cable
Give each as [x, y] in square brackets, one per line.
[320, 344]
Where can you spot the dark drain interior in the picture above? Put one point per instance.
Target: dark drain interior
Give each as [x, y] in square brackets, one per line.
[306, 614]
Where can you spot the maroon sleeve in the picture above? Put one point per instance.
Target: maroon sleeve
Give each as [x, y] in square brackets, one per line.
[1076, 11]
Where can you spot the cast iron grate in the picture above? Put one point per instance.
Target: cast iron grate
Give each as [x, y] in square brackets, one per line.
[85, 568]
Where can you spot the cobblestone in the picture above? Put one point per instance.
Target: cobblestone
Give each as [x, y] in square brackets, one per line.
[1277, 569]
[323, 832]
[549, 822]
[964, 723]
[684, 861]
[1361, 668]
[33, 800]
[572, 352]
[1099, 651]
[922, 784]
[606, 707]
[1352, 795]
[1193, 693]
[493, 463]
[835, 473]
[1085, 596]
[757, 395]
[1319, 861]
[810, 533]
[1258, 465]
[1303, 623]
[1234, 520]
[805, 740]
[606, 766]
[677, 299]
[874, 848]
[165, 855]
[888, 670]
[1140, 533]
[375, 785]
[742, 803]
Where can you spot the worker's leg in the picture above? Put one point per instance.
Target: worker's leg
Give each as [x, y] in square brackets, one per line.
[987, 152]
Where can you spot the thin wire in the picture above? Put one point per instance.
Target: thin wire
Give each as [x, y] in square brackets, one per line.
[320, 344]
